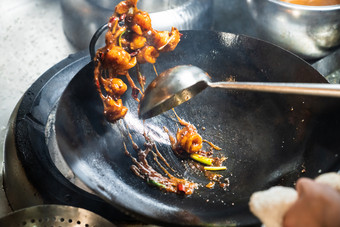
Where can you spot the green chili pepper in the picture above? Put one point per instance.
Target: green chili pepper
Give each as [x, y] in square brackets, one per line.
[120, 38]
[155, 183]
[202, 159]
[215, 168]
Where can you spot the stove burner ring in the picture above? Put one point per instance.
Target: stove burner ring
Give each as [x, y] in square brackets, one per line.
[54, 215]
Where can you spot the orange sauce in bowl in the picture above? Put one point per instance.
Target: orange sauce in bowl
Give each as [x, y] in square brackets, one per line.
[313, 2]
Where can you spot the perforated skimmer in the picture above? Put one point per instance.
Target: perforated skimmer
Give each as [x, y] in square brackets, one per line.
[54, 216]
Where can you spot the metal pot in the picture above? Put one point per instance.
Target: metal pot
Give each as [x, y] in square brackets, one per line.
[309, 31]
[81, 18]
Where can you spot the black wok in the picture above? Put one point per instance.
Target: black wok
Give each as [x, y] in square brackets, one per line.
[269, 139]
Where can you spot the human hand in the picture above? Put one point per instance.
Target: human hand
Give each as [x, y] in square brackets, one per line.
[318, 205]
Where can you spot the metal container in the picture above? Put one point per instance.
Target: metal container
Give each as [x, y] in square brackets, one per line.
[54, 215]
[81, 18]
[309, 31]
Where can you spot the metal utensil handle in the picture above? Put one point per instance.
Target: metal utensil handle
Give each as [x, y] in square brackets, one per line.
[316, 89]
[94, 39]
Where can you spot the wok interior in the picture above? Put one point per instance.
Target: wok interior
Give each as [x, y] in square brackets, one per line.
[269, 139]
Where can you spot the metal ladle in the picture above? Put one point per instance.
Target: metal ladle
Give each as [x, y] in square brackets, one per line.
[179, 84]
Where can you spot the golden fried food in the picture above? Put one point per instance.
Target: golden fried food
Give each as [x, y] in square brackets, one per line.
[130, 41]
[188, 138]
[189, 144]
[114, 109]
[114, 87]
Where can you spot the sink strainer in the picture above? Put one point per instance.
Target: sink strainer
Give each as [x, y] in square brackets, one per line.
[54, 216]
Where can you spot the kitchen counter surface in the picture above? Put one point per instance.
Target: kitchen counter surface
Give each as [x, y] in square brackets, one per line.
[32, 41]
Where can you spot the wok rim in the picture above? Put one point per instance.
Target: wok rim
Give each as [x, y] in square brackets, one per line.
[143, 217]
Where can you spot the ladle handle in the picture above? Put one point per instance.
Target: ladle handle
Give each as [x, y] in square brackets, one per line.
[316, 89]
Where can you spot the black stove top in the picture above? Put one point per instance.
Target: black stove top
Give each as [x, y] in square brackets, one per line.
[31, 122]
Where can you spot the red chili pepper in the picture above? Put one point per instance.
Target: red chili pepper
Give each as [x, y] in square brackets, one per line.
[112, 19]
[97, 84]
[122, 17]
[181, 187]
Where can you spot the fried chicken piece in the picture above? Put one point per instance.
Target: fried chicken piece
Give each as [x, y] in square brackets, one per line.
[130, 40]
[188, 138]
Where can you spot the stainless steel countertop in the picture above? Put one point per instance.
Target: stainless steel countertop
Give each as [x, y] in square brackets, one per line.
[32, 41]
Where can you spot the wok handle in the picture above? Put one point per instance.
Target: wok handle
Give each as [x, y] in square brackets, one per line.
[316, 89]
[94, 39]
